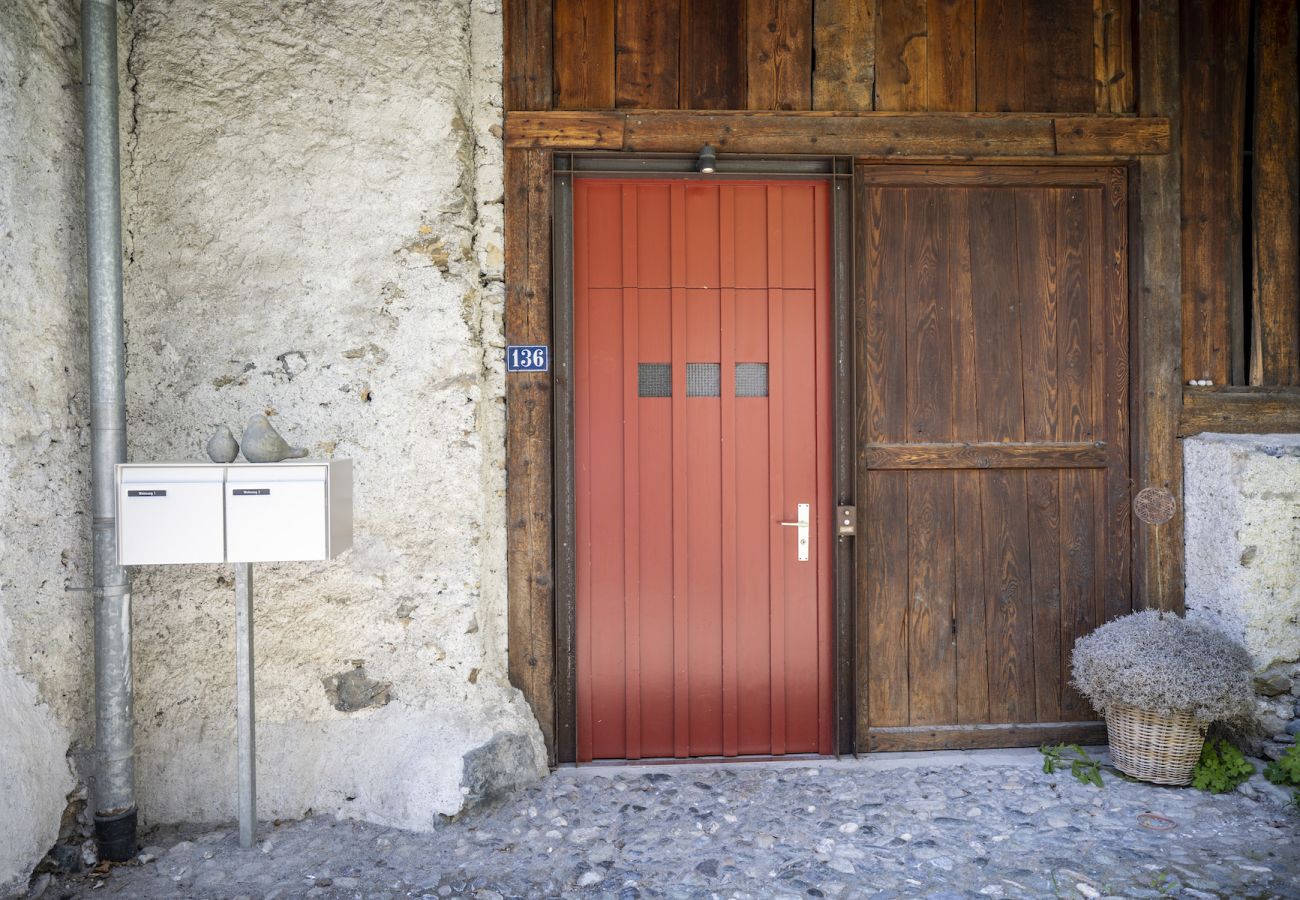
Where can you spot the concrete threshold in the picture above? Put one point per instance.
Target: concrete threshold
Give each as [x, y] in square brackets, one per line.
[867, 762]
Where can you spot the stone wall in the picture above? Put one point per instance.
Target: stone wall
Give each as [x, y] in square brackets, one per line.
[1243, 559]
[44, 424]
[313, 230]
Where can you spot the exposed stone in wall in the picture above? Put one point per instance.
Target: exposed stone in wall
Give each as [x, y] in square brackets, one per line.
[1243, 557]
[313, 214]
[44, 421]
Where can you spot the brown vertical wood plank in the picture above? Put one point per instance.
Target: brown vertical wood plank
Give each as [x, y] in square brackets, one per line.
[901, 67]
[584, 54]
[881, 418]
[931, 652]
[647, 54]
[1000, 56]
[1275, 343]
[1037, 226]
[1003, 502]
[950, 56]
[1214, 36]
[1058, 56]
[1159, 557]
[844, 45]
[1113, 55]
[969, 603]
[529, 576]
[1080, 535]
[1113, 249]
[779, 54]
[712, 54]
[527, 54]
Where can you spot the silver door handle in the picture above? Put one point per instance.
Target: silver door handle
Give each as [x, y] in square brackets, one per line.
[802, 525]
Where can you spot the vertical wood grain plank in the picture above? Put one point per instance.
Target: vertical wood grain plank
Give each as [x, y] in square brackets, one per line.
[1213, 41]
[779, 54]
[881, 419]
[1276, 323]
[972, 646]
[712, 54]
[844, 45]
[1000, 56]
[931, 652]
[529, 575]
[901, 66]
[1058, 56]
[1114, 248]
[1159, 558]
[527, 61]
[1037, 226]
[647, 54]
[584, 54]
[950, 56]
[995, 250]
[1112, 24]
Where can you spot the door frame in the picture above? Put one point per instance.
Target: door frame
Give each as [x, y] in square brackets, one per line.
[837, 171]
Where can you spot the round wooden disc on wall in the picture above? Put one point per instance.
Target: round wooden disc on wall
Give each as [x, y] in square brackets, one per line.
[1154, 506]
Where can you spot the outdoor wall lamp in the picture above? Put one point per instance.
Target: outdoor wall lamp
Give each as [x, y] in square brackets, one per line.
[708, 160]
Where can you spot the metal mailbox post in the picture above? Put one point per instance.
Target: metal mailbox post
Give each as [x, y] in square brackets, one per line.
[242, 513]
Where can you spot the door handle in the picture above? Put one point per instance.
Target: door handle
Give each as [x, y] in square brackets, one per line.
[802, 525]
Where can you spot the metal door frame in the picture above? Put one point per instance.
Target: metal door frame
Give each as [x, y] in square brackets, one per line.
[838, 171]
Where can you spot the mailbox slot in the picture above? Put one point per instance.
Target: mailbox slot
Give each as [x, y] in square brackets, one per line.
[170, 514]
[275, 516]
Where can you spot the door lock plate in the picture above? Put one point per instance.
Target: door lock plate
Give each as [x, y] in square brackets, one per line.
[803, 526]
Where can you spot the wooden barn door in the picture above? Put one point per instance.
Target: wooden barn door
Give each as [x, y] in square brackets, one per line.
[701, 423]
[993, 447]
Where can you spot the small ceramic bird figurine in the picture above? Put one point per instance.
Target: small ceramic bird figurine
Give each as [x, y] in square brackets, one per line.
[222, 446]
[263, 444]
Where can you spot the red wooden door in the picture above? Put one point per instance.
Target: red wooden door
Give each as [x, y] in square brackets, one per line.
[701, 422]
[993, 437]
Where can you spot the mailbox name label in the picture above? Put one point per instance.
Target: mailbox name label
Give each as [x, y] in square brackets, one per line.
[528, 358]
[146, 493]
[251, 492]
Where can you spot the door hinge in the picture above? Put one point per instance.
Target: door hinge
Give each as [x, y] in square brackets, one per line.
[846, 520]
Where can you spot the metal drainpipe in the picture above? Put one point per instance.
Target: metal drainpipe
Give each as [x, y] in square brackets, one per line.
[115, 810]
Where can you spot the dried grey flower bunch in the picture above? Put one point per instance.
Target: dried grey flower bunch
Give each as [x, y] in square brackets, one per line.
[1165, 664]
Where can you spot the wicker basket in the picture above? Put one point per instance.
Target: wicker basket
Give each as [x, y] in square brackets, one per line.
[1152, 747]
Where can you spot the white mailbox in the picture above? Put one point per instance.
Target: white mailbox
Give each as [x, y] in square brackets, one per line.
[289, 511]
[170, 514]
[243, 512]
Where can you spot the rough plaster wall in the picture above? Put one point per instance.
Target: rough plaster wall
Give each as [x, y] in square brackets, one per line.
[1243, 553]
[44, 493]
[313, 229]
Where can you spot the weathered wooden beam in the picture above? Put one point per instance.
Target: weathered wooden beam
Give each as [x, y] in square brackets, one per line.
[1240, 411]
[1158, 573]
[529, 577]
[564, 129]
[1112, 35]
[778, 47]
[527, 62]
[984, 456]
[962, 136]
[844, 54]
[1276, 320]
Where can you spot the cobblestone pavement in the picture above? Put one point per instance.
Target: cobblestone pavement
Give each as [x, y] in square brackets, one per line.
[954, 825]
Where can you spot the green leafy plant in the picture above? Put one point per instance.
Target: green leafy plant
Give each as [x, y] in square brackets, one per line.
[1082, 766]
[1287, 769]
[1221, 767]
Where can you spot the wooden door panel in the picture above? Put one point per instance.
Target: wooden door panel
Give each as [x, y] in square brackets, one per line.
[702, 419]
[993, 447]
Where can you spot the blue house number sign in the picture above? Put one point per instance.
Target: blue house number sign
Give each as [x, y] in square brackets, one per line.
[528, 358]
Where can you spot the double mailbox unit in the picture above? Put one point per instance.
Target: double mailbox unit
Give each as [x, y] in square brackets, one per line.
[291, 511]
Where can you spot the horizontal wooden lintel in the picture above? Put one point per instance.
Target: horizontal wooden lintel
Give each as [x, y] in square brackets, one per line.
[977, 737]
[985, 456]
[961, 136]
[1240, 410]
